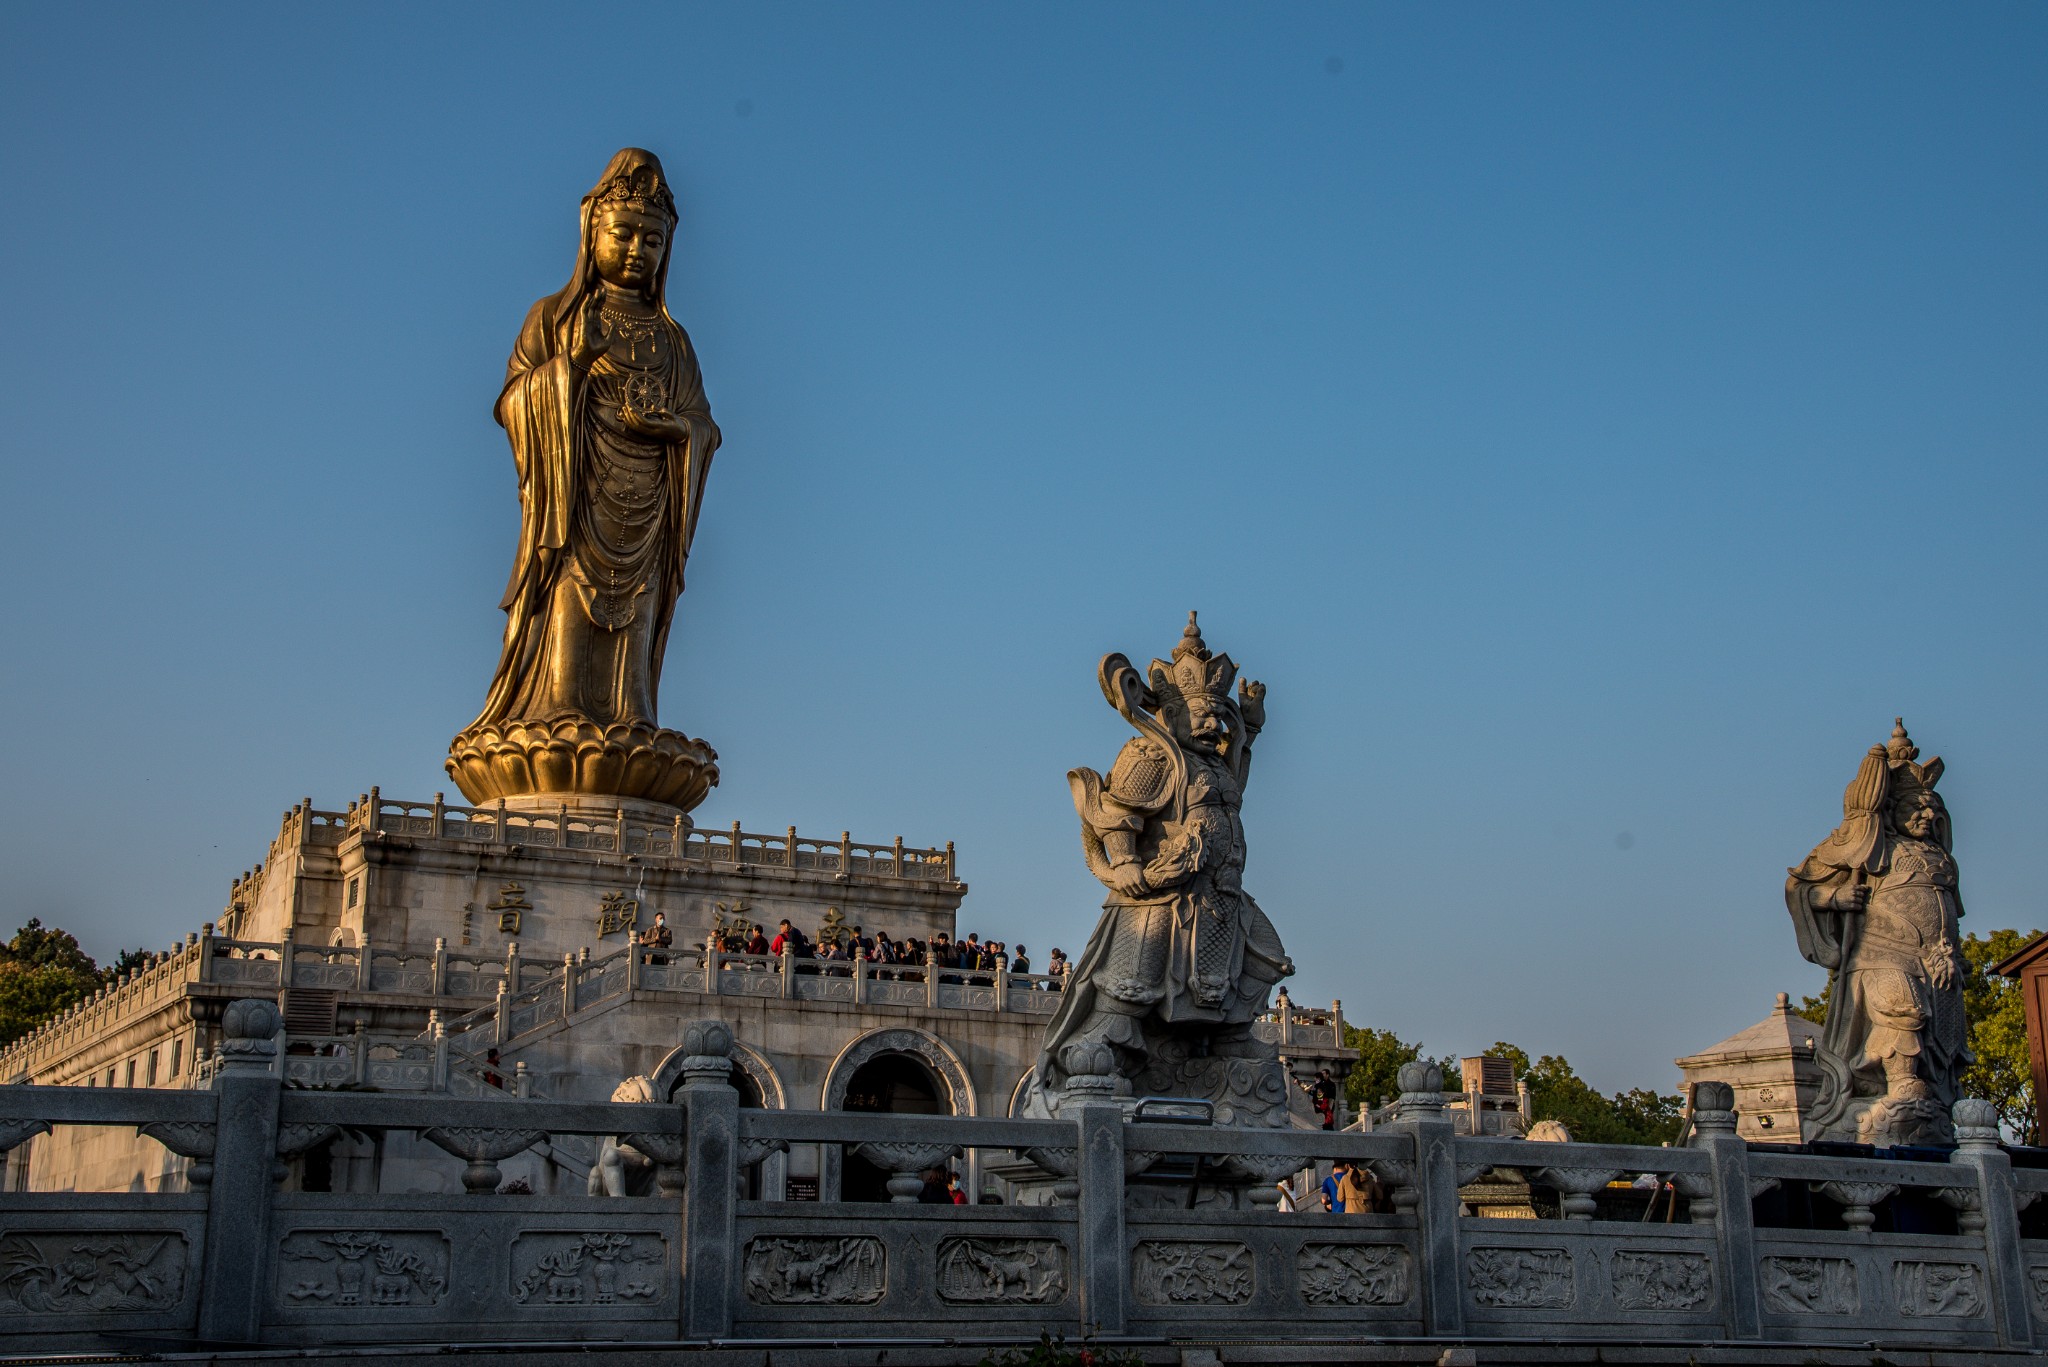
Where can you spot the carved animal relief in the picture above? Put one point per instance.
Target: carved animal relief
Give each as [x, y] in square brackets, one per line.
[1353, 1274]
[1521, 1278]
[46, 1273]
[586, 1269]
[815, 1271]
[1929, 1290]
[362, 1267]
[1662, 1281]
[1809, 1286]
[1002, 1271]
[1177, 1272]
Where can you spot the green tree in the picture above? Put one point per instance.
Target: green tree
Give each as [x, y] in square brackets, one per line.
[42, 972]
[1380, 1055]
[2003, 1072]
[127, 959]
[1557, 1092]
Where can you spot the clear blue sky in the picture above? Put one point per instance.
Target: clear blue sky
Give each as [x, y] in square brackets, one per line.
[1593, 423]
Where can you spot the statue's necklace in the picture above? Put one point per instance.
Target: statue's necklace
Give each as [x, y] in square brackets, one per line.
[633, 330]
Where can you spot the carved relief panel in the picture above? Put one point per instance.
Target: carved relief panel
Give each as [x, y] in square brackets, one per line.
[1662, 1281]
[1002, 1271]
[1191, 1272]
[1928, 1290]
[350, 1268]
[816, 1271]
[1521, 1278]
[90, 1273]
[563, 1268]
[1809, 1286]
[1354, 1274]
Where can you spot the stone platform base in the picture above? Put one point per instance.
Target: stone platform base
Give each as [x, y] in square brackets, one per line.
[967, 1352]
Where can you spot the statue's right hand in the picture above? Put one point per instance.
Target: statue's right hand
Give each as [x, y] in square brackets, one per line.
[1128, 879]
[1855, 897]
[587, 340]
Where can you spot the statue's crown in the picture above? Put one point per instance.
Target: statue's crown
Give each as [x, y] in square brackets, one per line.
[1192, 670]
[640, 188]
[1900, 752]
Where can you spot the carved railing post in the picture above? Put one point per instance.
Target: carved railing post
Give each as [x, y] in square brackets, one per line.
[788, 969]
[1420, 1111]
[1099, 1162]
[439, 1032]
[236, 1275]
[439, 983]
[1713, 1116]
[931, 975]
[860, 975]
[1976, 1125]
[711, 1119]
[713, 979]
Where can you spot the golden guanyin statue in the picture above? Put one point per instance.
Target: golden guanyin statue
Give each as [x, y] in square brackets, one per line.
[612, 438]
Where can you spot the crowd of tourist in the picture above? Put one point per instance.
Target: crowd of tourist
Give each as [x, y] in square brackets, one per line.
[903, 958]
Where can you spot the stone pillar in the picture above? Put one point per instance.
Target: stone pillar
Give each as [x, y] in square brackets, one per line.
[236, 1276]
[712, 1118]
[1420, 1111]
[1976, 1125]
[1713, 1117]
[1090, 1100]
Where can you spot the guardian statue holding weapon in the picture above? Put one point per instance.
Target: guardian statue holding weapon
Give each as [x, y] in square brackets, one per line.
[1163, 999]
[1876, 905]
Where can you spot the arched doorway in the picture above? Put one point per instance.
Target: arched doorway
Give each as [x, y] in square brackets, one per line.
[895, 1084]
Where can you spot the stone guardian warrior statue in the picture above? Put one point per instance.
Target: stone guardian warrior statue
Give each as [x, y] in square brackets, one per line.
[1876, 906]
[1181, 962]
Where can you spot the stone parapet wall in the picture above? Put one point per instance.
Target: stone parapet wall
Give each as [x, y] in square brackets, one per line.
[312, 1268]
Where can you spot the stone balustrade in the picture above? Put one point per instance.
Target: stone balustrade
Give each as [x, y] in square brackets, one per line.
[492, 1002]
[568, 829]
[237, 1260]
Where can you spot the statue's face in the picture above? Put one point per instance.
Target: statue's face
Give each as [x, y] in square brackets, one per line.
[1918, 816]
[1207, 725]
[628, 247]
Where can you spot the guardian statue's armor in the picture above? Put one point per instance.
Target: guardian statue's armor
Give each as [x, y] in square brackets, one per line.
[1182, 960]
[1876, 905]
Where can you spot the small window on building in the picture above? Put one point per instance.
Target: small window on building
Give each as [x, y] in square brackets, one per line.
[355, 886]
[131, 1074]
[177, 1057]
[150, 1073]
[110, 1076]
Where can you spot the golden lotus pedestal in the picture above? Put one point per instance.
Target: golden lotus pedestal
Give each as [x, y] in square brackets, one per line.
[582, 763]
